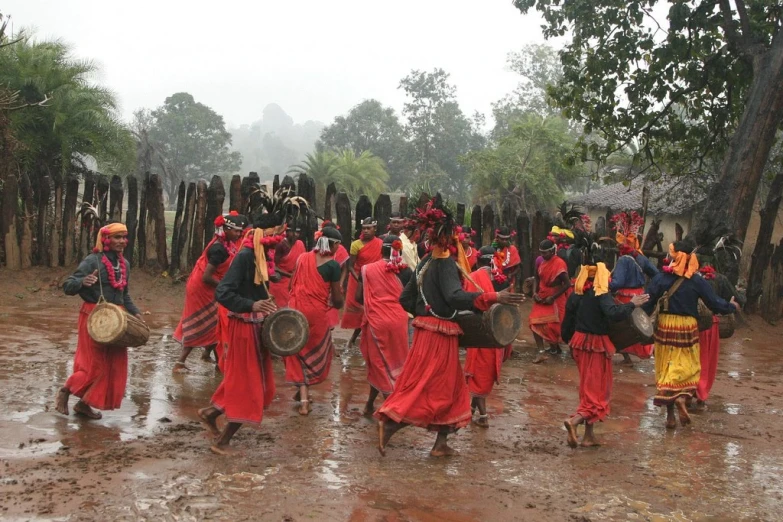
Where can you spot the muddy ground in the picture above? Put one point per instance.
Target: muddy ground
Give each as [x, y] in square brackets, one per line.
[150, 459]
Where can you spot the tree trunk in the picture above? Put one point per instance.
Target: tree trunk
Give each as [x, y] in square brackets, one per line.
[762, 252]
[28, 209]
[55, 248]
[216, 195]
[475, 224]
[175, 243]
[42, 237]
[69, 218]
[197, 240]
[116, 196]
[235, 194]
[343, 213]
[131, 218]
[730, 202]
[13, 258]
[186, 228]
[772, 296]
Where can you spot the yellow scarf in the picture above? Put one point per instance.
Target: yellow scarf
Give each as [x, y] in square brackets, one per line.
[262, 271]
[683, 265]
[556, 230]
[600, 276]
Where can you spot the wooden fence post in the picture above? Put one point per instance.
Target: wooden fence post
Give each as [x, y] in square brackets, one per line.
[403, 206]
[116, 196]
[196, 241]
[102, 188]
[525, 245]
[424, 198]
[132, 218]
[772, 295]
[157, 256]
[475, 224]
[382, 212]
[42, 252]
[186, 228]
[13, 257]
[28, 209]
[508, 214]
[538, 231]
[235, 194]
[329, 200]
[142, 230]
[343, 212]
[460, 214]
[69, 218]
[363, 210]
[56, 227]
[288, 183]
[275, 184]
[306, 190]
[488, 225]
[246, 188]
[85, 228]
[216, 195]
[175, 243]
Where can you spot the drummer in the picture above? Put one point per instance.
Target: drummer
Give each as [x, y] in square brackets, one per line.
[199, 323]
[99, 373]
[315, 291]
[248, 384]
[482, 366]
[384, 341]
[431, 391]
[586, 328]
[552, 283]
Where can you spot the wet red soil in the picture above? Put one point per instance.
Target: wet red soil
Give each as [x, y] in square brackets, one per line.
[150, 459]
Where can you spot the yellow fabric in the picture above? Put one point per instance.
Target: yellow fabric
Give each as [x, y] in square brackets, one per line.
[683, 265]
[108, 231]
[677, 368]
[262, 271]
[556, 230]
[356, 246]
[631, 241]
[600, 276]
[461, 259]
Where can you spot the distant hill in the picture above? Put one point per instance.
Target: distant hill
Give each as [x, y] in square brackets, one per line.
[272, 144]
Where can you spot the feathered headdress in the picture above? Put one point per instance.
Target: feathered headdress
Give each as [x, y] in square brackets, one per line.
[272, 211]
[567, 215]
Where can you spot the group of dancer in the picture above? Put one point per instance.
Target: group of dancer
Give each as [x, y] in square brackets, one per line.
[400, 294]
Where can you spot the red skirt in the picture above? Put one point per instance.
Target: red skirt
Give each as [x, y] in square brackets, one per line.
[353, 315]
[593, 357]
[482, 369]
[99, 373]
[642, 351]
[709, 345]
[280, 291]
[222, 335]
[545, 320]
[198, 325]
[431, 391]
[248, 384]
[384, 354]
[311, 365]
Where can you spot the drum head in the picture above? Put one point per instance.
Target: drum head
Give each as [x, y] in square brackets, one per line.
[285, 332]
[106, 323]
[643, 323]
[506, 323]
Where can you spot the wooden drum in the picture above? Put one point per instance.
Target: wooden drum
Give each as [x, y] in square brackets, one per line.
[725, 326]
[285, 332]
[638, 328]
[110, 325]
[496, 328]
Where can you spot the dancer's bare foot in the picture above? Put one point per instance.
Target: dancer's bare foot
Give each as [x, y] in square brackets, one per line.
[682, 409]
[541, 358]
[671, 421]
[482, 421]
[570, 427]
[386, 429]
[83, 408]
[180, 367]
[442, 449]
[369, 409]
[589, 440]
[61, 401]
[209, 421]
[223, 450]
[304, 407]
[206, 355]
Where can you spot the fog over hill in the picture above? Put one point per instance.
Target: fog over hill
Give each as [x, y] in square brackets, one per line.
[273, 143]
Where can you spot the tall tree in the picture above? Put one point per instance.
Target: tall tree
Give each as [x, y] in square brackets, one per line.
[626, 75]
[191, 142]
[371, 126]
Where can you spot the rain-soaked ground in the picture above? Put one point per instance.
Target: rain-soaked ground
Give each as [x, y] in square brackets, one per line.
[150, 459]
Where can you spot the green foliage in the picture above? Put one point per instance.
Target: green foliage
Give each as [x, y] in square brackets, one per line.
[372, 127]
[680, 91]
[527, 164]
[356, 174]
[189, 139]
[62, 116]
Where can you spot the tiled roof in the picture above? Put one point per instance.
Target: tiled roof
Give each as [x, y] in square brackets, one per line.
[666, 197]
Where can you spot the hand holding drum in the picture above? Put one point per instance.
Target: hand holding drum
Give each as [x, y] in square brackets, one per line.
[90, 279]
[265, 306]
[506, 297]
[639, 300]
[735, 304]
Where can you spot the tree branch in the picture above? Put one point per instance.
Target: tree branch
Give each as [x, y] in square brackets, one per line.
[744, 20]
[735, 40]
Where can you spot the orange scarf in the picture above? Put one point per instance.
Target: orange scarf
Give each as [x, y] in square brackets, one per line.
[632, 241]
[683, 265]
[461, 258]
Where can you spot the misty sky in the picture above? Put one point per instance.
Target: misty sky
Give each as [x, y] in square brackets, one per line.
[316, 59]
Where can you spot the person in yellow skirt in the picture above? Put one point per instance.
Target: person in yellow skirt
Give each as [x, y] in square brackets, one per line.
[676, 291]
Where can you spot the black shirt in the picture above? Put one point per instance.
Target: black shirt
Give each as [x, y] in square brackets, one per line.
[217, 254]
[590, 314]
[443, 288]
[237, 290]
[90, 294]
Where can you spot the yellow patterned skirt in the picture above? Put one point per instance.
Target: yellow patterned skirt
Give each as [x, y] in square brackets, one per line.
[677, 363]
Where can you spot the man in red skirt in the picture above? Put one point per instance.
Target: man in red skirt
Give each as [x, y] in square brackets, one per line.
[431, 391]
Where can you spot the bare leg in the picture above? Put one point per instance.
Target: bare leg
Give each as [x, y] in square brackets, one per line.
[208, 351]
[369, 408]
[61, 400]
[208, 418]
[682, 409]
[387, 428]
[183, 356]
[570, 426]
[627, 359]
[221, 443]
[304, 400]
[483, 419]
[671, 421]
[539, 341]
[441, 448]
[354, 337]
[540, 345]
[589, 440]
[83, 408]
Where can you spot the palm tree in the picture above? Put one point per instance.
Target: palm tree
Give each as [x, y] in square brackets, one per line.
[362, 174]
[322, 167]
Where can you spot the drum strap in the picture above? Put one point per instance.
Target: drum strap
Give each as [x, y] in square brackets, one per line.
[670, 292]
